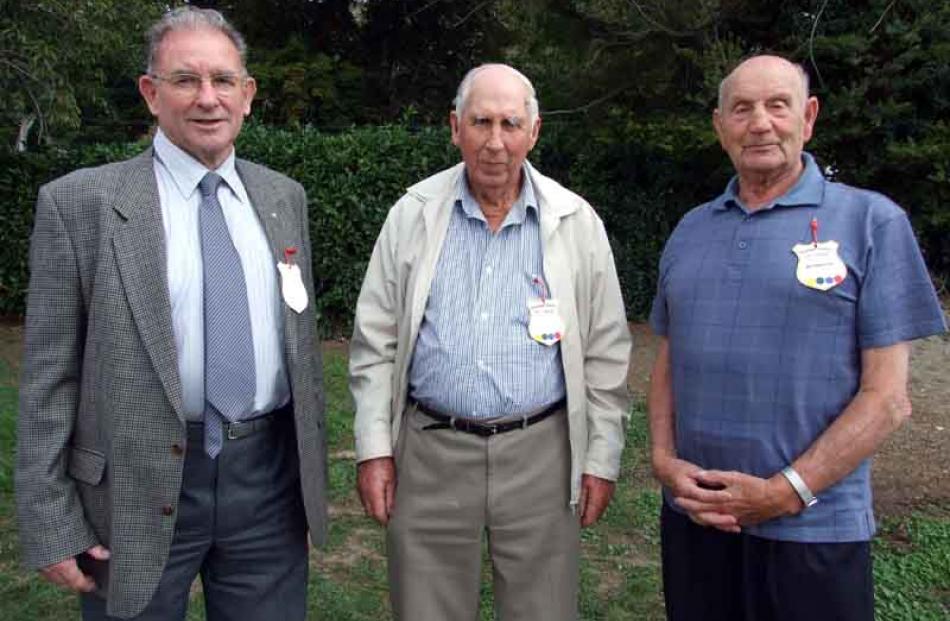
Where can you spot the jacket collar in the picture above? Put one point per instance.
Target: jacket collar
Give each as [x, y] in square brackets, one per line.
[438, 194]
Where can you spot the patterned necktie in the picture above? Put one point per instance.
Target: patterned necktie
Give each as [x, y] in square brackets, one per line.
[229, 346]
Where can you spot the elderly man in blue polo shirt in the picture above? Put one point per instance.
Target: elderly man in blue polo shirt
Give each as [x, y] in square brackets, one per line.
[488, 366]
[784, 307]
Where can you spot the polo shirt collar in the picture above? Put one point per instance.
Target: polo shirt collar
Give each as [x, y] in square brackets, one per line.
[187, 172]
[808, 190]
[525, 202]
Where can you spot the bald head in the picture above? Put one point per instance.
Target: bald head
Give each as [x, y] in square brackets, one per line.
[491, 73]
[764, 64]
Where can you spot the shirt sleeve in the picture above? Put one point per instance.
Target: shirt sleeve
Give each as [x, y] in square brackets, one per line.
[659, 313]
[897, 300]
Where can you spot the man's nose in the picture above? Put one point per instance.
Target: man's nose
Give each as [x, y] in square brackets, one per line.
[494, 139]
[207, 95]
[759, 121]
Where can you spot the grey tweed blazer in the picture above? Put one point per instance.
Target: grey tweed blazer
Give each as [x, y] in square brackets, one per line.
[100, 398]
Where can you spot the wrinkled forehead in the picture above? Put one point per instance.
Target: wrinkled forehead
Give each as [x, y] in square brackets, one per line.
[764, 80]
[497, 92]
[197, 48]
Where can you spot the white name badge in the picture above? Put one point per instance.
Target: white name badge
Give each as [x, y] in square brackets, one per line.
[819, 266]
[291, 286]
[544, 324]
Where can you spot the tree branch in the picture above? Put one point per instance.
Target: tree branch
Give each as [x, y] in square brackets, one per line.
[589, 104]
[811, 43]
[881, 18]
[464, 19]
[655, 23]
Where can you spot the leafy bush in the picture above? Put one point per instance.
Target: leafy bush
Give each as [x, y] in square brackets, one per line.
[640, 174]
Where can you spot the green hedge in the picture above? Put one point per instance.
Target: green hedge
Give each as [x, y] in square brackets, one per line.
[640, 174]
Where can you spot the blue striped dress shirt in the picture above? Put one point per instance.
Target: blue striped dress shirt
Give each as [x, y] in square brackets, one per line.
[178, 174]
[474, 357]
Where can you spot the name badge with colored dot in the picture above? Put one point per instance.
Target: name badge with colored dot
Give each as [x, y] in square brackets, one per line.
[819, 266]
[544, 324]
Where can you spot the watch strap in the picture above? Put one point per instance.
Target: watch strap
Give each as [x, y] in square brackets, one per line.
[798, 484]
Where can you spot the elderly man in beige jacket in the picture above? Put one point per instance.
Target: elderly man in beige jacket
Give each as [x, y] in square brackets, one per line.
[488, 366]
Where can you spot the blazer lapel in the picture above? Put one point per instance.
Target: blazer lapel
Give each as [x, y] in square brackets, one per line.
[140, 255]
[282, 229]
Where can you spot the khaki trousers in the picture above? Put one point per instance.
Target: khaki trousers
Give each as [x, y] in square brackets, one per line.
[451, 488]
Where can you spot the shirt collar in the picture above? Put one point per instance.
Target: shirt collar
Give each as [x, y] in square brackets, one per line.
[808, 190]
[187, 172]
[525, 202]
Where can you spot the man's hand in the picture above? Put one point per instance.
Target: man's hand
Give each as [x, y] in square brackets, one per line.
[376, 483]
[703, 500]
[750, 499]
[67, 574]
[595, 496]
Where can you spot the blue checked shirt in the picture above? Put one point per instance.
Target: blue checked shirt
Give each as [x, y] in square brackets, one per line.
[474, 357]
[762, 364]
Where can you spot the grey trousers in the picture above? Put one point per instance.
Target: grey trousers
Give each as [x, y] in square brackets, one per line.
[241, 527]
[453, 487]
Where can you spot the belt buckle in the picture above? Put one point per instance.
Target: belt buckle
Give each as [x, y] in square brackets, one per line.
[232, 433]
[493, 429]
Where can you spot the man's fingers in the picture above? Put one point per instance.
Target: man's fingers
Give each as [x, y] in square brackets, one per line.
[66, 574]
[379, 512]
[390, 497]
[715, 479]
[595, 496]
[691, 505]
[376, 481]
[721, 521]
[100, 553]
[703, 494]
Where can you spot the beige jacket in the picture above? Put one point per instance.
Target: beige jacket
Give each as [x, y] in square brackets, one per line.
[579, 267]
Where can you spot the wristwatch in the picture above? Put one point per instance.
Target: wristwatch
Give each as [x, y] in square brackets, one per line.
[798, 484]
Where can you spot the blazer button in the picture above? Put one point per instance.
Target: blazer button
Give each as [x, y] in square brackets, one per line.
[168, 510]
[177, 449]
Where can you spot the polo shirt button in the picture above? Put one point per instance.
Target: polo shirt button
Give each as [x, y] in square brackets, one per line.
[743, 245]
[168, 510]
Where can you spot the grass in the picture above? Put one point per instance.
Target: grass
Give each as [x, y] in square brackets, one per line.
[620, 577]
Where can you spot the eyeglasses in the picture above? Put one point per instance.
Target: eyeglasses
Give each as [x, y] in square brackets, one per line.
[224, 84]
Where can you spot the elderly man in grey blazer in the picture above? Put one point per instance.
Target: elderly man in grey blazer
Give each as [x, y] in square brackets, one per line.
[171, 413]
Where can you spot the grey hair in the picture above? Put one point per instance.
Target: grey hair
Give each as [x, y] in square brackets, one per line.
[191, 18]
[465, 88]
[802, 74]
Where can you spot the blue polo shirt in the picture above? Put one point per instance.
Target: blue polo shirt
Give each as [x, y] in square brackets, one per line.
[762, 364]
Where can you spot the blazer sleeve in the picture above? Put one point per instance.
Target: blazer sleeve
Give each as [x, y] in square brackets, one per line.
[606, 363]
[50, 514]
[373, 347]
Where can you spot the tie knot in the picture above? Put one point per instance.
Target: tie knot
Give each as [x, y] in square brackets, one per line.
[209, 184]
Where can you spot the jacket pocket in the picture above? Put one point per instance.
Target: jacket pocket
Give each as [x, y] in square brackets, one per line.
[86, 465]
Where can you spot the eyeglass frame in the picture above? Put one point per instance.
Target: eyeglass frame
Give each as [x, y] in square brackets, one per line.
[240, 80]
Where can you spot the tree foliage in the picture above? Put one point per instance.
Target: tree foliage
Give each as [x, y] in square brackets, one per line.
[64, 62]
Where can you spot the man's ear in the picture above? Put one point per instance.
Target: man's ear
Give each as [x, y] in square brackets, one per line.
[717, 126]
[535, 131]
[250, 89]
[149, 90]
[454, 124]
[811, 115]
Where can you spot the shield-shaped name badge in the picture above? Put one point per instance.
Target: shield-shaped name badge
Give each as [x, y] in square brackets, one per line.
[545, 324]
[291, 286]
[819, 266]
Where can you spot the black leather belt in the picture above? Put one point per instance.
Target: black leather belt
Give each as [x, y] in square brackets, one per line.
[484, 429]
[243, 428]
